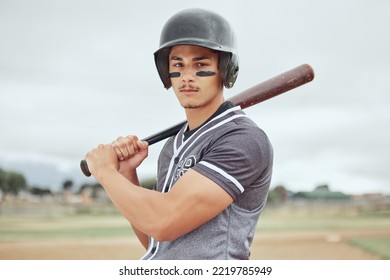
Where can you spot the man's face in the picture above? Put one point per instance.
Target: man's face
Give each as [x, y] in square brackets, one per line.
[195, 76]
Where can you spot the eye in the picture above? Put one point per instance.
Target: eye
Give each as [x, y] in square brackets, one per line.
[200, 64]
[177, 64]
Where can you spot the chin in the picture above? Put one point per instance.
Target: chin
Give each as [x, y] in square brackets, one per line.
[190, 106]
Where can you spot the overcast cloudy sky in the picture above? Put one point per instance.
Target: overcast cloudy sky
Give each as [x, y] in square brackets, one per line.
[77, 73]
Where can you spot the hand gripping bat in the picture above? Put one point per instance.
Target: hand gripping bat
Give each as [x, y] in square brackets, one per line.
[270, 88]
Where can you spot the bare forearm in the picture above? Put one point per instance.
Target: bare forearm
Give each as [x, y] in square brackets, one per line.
[142, 237]
[120, 180]
[138, 205]
[131, 175]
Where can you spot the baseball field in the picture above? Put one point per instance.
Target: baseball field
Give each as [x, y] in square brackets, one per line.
[281, 235]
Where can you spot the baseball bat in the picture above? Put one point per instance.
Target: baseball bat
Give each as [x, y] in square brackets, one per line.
[270, 88]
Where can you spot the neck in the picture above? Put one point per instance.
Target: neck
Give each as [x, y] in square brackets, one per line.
[197, 116]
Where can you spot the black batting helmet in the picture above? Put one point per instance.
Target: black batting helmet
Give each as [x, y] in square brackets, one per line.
[200, 28]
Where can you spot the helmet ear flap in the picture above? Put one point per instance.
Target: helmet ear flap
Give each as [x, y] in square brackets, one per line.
[161, 59]
[228, 64]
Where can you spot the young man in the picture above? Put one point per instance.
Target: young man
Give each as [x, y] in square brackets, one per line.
[214, 175]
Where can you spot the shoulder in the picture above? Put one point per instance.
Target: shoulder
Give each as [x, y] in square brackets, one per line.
[242, 131]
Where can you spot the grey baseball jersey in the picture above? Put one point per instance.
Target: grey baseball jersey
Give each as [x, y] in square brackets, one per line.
[235, 153]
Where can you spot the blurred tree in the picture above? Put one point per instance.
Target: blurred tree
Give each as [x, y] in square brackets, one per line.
[277, 195]
[93, 190]
[2, 178]
[324, 188]
[39, 191]
[3, 184]
[11, 182]
[67, 185]
[96, 188]
[16, 182]
[282, 193]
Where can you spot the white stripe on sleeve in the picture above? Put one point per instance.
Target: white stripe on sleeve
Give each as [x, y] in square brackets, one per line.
[224, 174]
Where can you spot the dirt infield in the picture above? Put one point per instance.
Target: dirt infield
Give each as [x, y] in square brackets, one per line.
[307, 245]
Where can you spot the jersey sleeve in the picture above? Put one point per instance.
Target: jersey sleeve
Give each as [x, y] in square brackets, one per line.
[237, 160]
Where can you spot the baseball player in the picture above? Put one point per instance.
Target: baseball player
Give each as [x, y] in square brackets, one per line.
[214, 175]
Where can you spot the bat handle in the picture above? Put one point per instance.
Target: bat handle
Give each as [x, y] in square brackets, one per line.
[84, 168]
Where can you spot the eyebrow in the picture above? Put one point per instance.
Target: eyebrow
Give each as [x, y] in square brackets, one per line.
[198, 58]
[201, 58]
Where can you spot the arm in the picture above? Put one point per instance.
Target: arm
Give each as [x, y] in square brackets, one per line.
[193, 200]
[124, 146]
[142, 237]
[166, 216]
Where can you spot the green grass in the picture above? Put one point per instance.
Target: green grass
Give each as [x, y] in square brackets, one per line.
[278, 222]
[82, 226]
[379, 246]
[9, 235]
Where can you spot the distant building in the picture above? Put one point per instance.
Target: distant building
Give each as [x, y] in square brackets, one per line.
[322, 193]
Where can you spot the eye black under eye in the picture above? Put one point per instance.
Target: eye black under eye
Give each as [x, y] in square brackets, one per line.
[174, 74]
[205, 73]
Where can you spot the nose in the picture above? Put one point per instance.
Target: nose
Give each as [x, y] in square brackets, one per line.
[188, 75]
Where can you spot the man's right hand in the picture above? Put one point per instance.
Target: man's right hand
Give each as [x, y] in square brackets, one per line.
[131, 152]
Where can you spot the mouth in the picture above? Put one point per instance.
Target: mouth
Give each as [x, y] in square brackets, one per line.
[188, 90]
